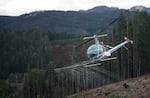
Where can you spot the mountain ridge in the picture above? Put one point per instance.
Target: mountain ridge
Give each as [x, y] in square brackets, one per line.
[74, 22]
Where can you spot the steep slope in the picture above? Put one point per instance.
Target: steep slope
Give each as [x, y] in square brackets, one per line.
[132, 88]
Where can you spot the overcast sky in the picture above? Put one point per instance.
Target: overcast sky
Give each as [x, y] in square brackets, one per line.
[17, 7]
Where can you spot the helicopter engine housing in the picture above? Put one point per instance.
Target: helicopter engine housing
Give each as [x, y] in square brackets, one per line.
[106, 54]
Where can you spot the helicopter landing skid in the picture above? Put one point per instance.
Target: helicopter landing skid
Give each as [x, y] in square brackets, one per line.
[108, 59]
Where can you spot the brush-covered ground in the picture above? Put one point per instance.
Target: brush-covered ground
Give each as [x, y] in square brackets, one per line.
[138, 87]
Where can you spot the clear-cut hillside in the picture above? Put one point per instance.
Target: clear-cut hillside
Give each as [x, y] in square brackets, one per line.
[132, 88]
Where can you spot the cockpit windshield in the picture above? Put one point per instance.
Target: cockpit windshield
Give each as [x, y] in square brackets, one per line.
[94, 50]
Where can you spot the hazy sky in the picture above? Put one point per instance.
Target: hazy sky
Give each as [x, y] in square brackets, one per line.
[17, 7]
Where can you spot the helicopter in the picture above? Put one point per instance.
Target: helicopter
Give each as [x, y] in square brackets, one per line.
[97, 52]
[100, 50]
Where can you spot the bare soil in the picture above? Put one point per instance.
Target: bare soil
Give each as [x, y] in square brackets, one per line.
[138, 87]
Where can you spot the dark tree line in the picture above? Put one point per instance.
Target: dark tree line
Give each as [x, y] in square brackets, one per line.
[41, 83]
[134, 61]
[22, 50]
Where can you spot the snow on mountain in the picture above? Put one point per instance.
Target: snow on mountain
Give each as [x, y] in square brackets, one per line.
[138, 8]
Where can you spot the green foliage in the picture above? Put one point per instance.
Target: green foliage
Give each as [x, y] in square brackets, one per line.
[6, 91]
[34, 84]
[40, 83]
[22, 50]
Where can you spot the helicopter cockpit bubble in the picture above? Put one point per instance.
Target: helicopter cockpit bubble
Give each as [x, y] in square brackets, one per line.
[94, 50]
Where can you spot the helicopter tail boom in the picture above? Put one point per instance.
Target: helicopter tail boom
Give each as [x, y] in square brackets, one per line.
[108, 53]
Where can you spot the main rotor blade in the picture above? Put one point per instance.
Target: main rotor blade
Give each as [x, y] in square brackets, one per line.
[97, 36]
[83, 43]
[97, 33]
[107, 26]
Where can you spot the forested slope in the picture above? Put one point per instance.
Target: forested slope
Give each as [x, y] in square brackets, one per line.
[72, 22]
[29, 52]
